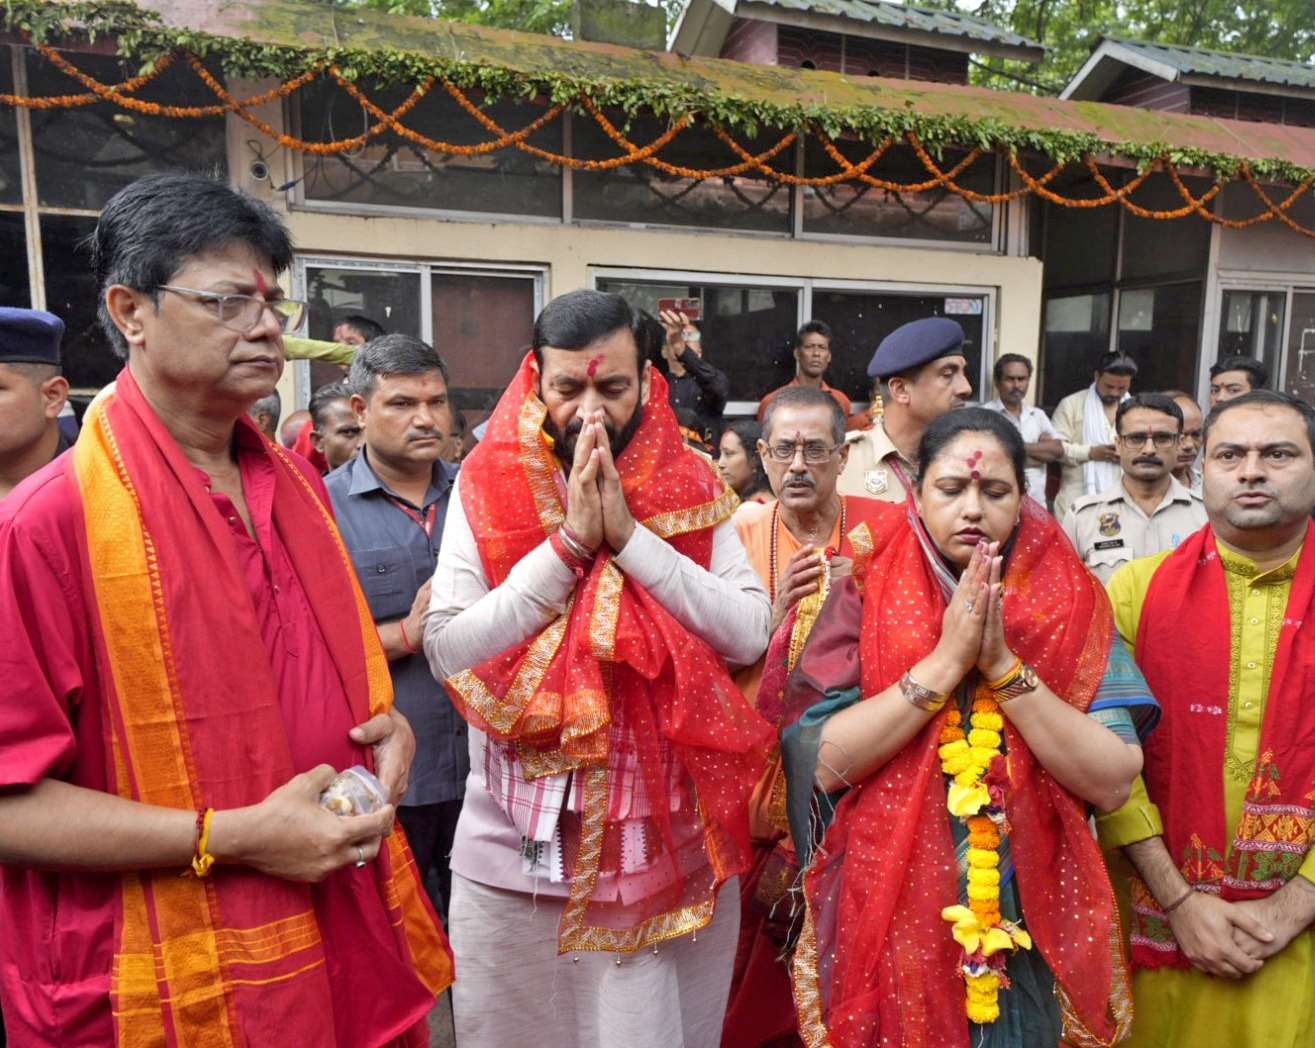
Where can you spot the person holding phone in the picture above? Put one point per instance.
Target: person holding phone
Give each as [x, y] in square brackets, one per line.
[696, 386]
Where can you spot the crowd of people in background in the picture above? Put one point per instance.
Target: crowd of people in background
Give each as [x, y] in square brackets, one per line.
[699, 729]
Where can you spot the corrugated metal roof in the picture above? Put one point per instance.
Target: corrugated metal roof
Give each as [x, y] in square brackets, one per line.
[901, 16]
[1224, 65]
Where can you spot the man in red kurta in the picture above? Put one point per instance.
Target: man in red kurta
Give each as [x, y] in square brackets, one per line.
[187, 660]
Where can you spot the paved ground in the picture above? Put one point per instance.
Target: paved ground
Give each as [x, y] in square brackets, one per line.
[441, 1034]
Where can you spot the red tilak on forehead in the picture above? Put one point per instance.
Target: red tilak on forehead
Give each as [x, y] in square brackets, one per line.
[262, 286]
[972, 461]
[592, 369]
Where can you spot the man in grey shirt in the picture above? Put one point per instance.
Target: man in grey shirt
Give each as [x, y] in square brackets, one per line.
[391, 501]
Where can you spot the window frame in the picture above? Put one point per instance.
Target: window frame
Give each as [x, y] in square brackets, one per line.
[426, 269]
[806, 286]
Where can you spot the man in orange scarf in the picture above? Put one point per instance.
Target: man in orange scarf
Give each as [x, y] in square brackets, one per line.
[791, 544]
[588, 595]
[187, 659]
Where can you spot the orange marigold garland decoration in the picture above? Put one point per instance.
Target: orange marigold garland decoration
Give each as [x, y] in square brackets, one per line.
[976, 797]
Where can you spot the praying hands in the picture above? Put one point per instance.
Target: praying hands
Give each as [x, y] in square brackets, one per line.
[596, 510]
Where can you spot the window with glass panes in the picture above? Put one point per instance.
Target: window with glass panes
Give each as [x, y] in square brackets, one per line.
[58, 167]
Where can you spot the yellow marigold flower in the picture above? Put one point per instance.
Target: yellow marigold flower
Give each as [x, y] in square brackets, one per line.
[984, 877]
[964, 800]
[984, 892]
[981, 739]
[989, 721]
[982, 858]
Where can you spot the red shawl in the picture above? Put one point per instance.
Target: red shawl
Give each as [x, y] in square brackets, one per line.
[616, 680]
[1185, 755]
[193, 721]
[876, 962]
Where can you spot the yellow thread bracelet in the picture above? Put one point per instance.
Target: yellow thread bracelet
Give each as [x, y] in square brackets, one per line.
[203, 860]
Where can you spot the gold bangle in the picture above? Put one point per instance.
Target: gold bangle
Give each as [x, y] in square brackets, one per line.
[917, 695]
[1008, 678]
[203, 860]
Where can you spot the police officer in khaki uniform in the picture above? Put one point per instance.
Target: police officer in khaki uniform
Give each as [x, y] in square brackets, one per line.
[922, 366]
[1147, 510]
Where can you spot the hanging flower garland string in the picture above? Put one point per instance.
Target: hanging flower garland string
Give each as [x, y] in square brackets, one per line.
[976, 796]
[122, 95]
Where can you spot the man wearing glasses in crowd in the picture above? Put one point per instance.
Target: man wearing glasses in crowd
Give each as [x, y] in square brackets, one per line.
[187, 661]
[1147, 510]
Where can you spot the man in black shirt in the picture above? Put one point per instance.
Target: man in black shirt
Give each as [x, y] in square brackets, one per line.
[696, 386]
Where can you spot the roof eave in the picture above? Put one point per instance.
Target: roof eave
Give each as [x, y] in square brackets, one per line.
[768, 12]
[1105, 63]
[702, 27]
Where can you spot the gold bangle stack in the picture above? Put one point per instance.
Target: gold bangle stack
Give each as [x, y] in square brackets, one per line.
[917, 695]
[1000, 683]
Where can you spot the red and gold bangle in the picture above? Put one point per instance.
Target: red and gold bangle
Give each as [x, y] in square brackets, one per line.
[567, 555]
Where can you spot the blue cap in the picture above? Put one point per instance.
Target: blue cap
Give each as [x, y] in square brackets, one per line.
[913, 344]
[29, 336]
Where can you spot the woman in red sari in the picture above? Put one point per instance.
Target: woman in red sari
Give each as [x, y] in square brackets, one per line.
[957, 896]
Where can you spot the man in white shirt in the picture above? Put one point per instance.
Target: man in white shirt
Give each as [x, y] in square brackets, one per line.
[589, 592]
[1085, 423]
[1013, 374]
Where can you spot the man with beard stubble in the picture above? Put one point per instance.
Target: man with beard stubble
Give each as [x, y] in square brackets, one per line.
[1146, 510]
[589, 593]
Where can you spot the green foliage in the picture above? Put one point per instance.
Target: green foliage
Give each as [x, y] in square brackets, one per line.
[529, 16]
[1069, 29]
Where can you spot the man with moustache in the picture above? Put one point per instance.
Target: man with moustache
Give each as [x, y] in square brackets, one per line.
[812, 356]
[922, 366]
[391, 501]
[1220, 833]
[1012, 374]
[589, 593]
[1187, 471]
[1146, 510]
[796, 545]
[1085, 423]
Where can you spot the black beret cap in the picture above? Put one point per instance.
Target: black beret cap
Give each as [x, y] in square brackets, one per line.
[29, 336]
[913, 344]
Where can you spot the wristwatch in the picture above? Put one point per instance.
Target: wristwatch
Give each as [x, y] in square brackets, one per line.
[1023, 681]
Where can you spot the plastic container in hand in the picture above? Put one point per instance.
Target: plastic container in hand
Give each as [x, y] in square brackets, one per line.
[354, 792]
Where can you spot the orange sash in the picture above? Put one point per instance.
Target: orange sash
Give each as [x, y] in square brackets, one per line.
[225, 960]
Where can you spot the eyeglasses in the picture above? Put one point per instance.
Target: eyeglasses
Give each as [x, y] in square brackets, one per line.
[1138, 440]
[241, 313]
[815, 452]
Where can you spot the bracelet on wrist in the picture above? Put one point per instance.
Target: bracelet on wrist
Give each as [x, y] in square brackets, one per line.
[1007, 677]
[202, 860]
[568, 556]
[574, 543]
[406, 641]
[1191, 890]
[917, 695]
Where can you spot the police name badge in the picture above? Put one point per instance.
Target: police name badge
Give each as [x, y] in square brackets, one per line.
[874, 480]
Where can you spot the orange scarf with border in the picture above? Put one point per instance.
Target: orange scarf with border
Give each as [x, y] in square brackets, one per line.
[216, 961]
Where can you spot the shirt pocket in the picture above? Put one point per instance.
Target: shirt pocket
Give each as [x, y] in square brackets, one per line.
[388, 579]
[1104, 561]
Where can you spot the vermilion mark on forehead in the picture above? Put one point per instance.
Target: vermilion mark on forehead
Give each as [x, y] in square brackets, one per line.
[971, 462]
[592, 369]
[262, 285]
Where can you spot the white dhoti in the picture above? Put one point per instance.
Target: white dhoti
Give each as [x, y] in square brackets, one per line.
[513, 989]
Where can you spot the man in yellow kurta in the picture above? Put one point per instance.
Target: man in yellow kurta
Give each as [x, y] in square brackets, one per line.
[1220, 873]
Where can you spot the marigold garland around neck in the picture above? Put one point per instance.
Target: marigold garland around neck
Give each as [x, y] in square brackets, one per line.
[976, 797]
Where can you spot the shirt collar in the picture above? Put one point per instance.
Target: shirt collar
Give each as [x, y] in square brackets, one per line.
[365, 480]
[883, 447]
[1237, 563]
